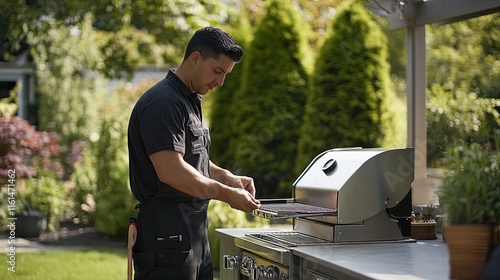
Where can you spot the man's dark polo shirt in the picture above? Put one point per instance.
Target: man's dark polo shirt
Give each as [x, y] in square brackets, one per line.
[166, 117]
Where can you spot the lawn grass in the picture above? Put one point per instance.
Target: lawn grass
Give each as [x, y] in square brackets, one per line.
[96, 263]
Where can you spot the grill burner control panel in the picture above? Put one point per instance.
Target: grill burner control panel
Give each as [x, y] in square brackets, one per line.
[257, 268]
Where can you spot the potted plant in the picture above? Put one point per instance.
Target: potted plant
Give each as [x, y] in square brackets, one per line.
[43, 203]
[423, 223]
[470, 201]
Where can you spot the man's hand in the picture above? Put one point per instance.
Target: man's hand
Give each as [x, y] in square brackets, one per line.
[243, 197]
[242, 182]
[242, 200]
[244, 191]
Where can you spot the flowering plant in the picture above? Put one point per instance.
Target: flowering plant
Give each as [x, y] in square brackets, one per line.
[21, 144]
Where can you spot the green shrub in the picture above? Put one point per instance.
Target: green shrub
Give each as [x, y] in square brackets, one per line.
[270, 106]
[66, 90]
[457, 115]
[102, 180]
[84, 181]
[34, 157]
[348, 102]
[470, 191]
[48, 196]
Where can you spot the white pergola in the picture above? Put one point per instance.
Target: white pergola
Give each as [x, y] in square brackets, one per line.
[413, 15]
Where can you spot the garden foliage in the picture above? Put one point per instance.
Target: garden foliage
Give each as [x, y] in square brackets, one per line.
[35, 157]
[65, 59]
[267, 117]
[463, 93]
[470, 192]
[103, 191]
[22, 147]
[457, 115]
[270, 106]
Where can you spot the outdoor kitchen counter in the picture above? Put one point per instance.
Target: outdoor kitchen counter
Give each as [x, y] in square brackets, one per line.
[425, 259]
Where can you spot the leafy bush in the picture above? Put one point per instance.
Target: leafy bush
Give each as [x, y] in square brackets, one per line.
[456, 115]
[270, 106]
[470, 192]
[35, 157]
[101, 181]
[22, 146]
[65, 56]
[47, 195]
[465, 54]
[84, 180]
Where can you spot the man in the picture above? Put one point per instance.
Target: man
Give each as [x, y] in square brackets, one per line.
[171, 174]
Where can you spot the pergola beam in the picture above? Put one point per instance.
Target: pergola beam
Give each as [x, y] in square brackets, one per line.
[406, 13]
[446, 11]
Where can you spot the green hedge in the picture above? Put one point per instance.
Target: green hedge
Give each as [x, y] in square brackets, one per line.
[102, 181]
[270, 106]
[350, 88]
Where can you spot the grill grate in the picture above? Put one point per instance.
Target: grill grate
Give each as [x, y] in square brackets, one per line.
[299, 208]
[291, 210]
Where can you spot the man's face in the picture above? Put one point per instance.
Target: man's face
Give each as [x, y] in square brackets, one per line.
[209, 73]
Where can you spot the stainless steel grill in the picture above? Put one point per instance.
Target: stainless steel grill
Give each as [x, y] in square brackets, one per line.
[344, 196]
[351, 195]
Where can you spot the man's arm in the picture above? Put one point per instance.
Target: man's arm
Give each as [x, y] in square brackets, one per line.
[174, 171]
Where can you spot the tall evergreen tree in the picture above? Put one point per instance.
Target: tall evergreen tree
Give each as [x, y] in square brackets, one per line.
[270, 106]
[350, 87]
[222, 112]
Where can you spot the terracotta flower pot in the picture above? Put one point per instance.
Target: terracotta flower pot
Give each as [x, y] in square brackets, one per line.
[468, 246]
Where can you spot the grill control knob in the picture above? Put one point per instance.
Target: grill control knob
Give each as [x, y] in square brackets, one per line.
[273, 272]
[247, 265]
[259, 273]
[230, 262]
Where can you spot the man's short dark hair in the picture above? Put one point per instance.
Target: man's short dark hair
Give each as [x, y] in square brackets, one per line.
[211, 42]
